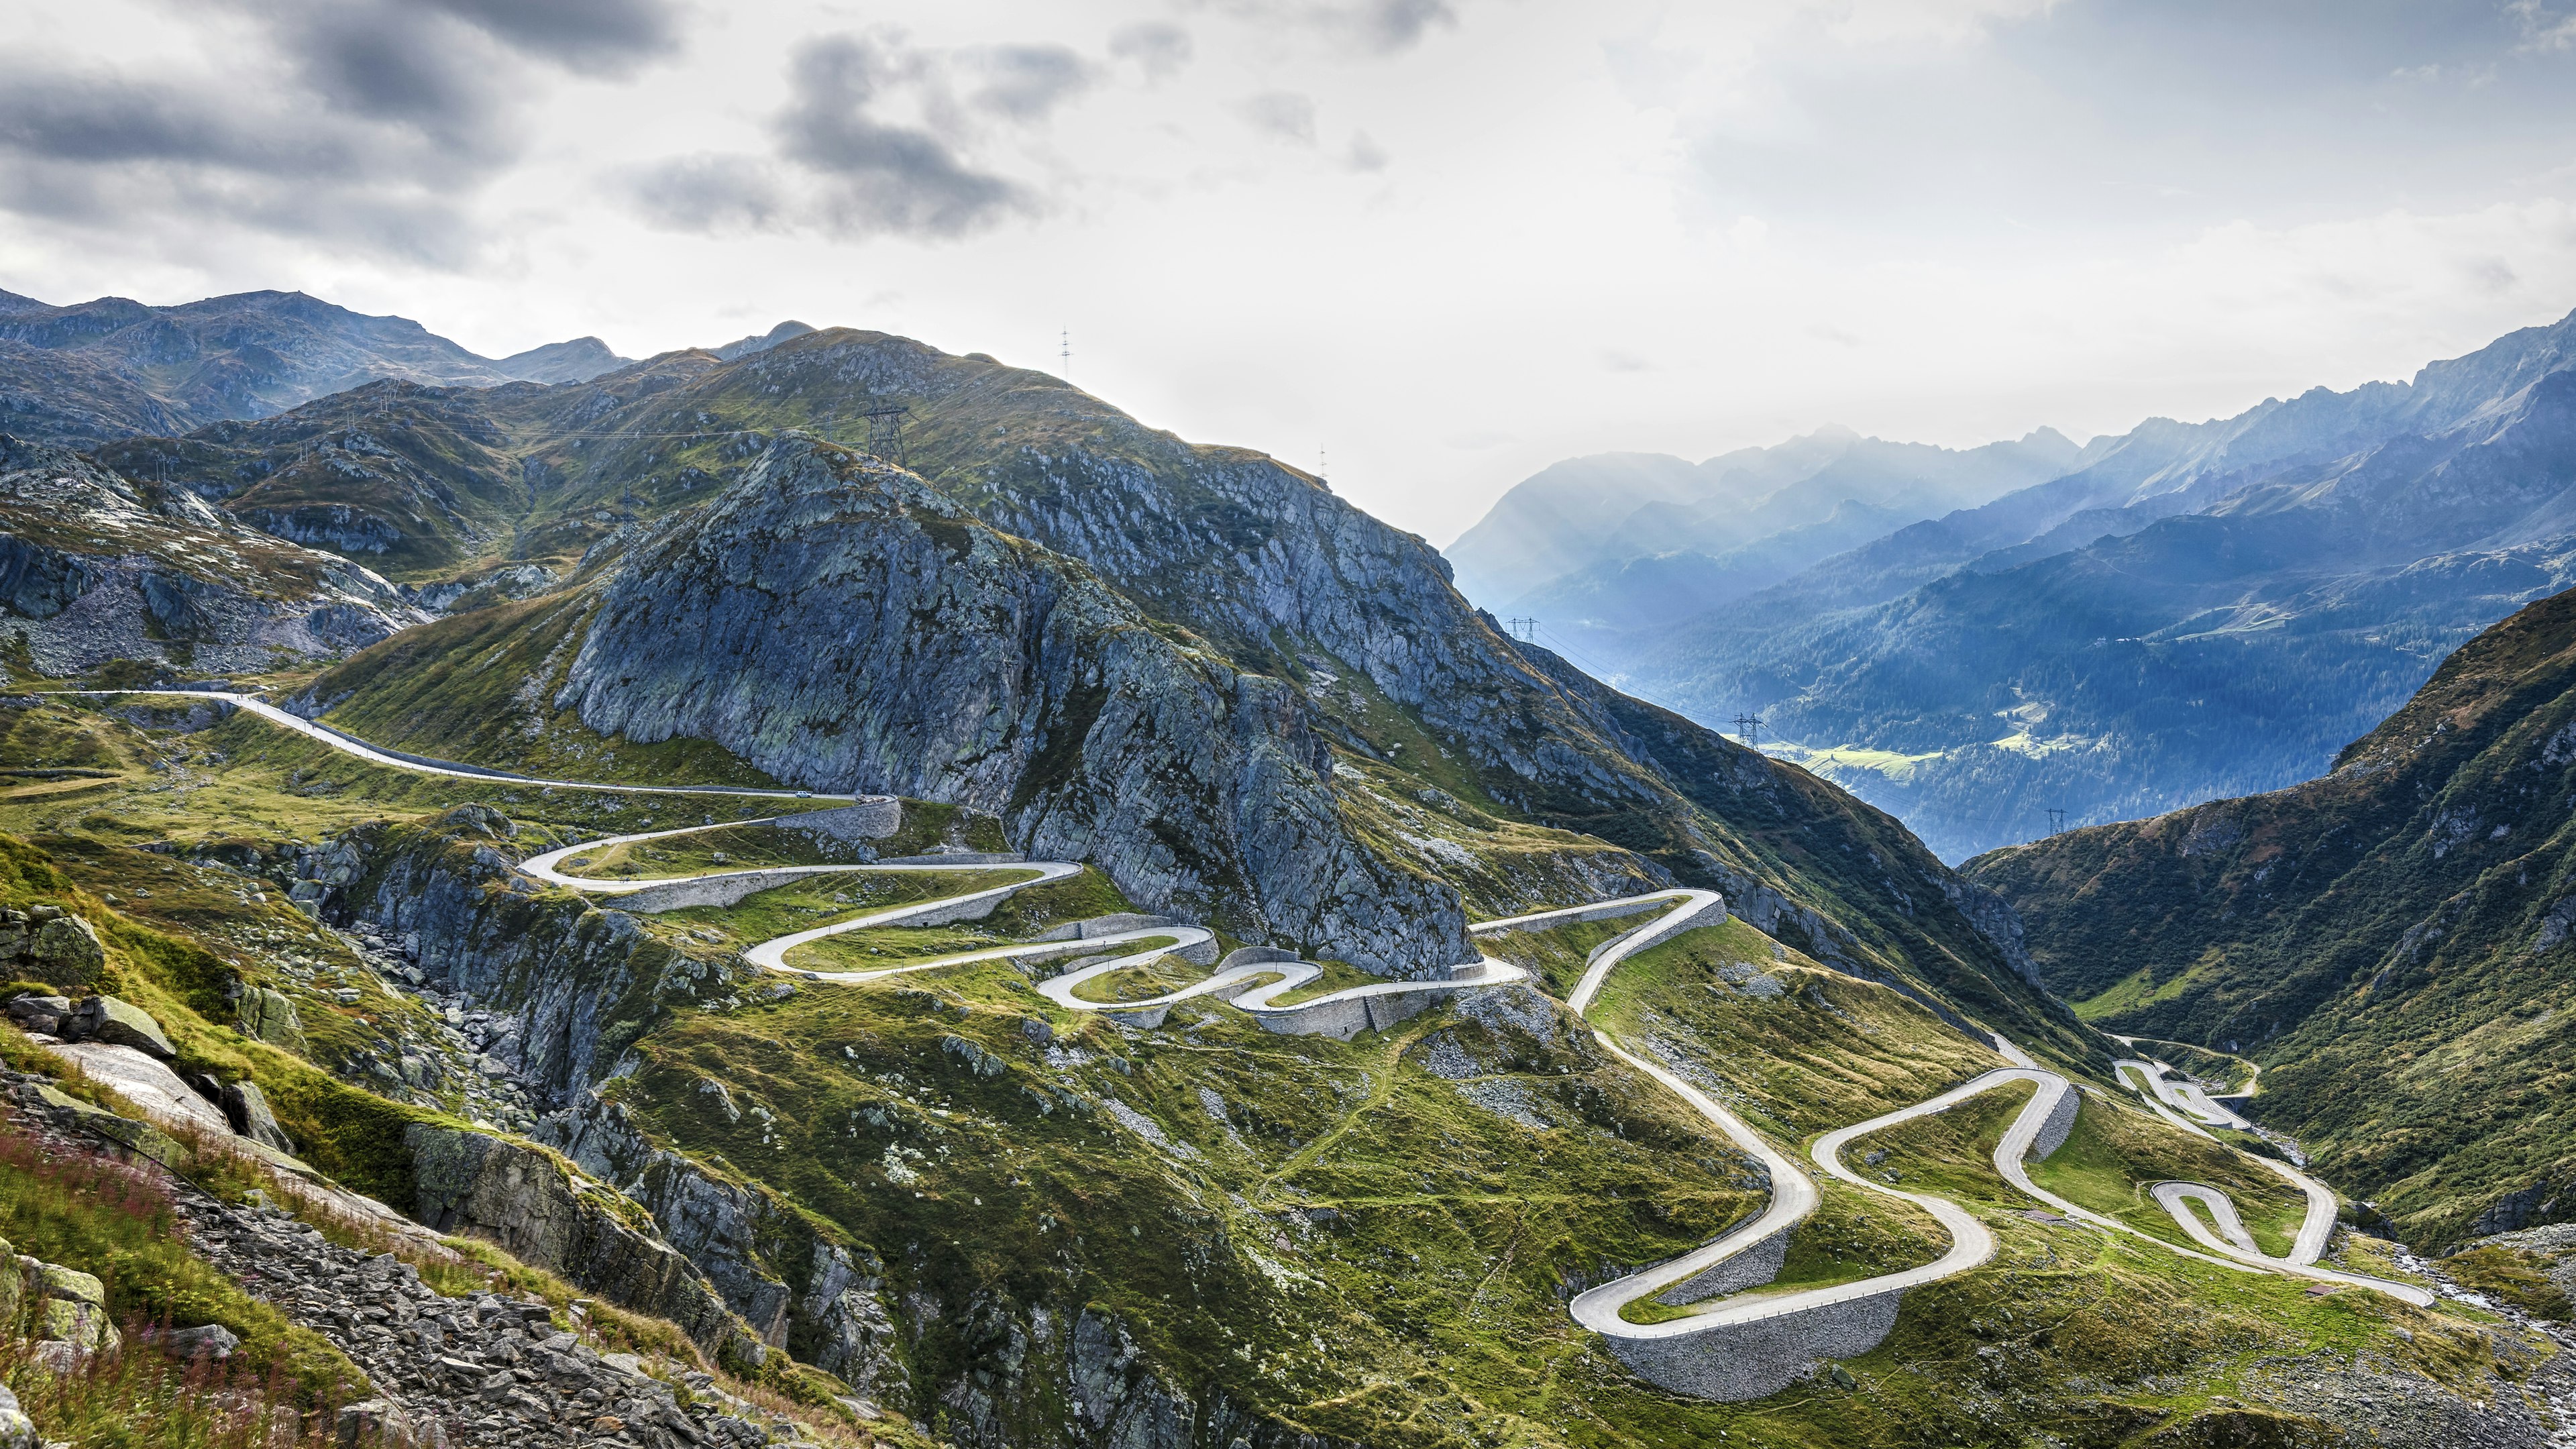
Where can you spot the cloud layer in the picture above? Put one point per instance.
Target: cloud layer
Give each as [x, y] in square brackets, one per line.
[362, 123]
[1451, 239]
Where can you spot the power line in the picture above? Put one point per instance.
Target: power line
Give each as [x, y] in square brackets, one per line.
[885, 434]
[1549, 637]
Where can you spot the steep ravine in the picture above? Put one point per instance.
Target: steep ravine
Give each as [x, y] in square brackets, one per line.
[578, 985]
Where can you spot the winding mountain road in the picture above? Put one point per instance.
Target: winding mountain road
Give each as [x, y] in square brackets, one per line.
[423, 765]
[1253, 981]
[2186, 1097]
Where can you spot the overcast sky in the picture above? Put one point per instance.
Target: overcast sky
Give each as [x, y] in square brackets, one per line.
[1449, 241]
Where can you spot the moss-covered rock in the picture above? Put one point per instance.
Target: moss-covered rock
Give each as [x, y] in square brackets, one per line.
[266, 1014]
[117, 1022]
[66, 951]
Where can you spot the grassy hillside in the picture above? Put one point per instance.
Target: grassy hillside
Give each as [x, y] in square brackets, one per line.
[1370, 1241]
[2390, 942]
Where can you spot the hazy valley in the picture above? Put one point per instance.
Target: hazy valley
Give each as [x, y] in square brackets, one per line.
[2174, 614]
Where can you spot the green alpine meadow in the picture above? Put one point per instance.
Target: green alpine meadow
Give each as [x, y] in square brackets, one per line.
[1292, 724]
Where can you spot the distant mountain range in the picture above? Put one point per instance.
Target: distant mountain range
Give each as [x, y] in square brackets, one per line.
[1614, 542]
[2188, 610]
[112, 368]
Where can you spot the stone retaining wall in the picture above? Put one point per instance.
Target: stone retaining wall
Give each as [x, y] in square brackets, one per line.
[1751, 1268]
[712, 890]
[1109, 925]
[1609, 912]
[1757, 1359]
[2061, 1121]
[1348, 1017]
[726, 890]
[873, 817]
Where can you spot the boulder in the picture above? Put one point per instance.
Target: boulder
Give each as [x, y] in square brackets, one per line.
[17, 1431]
[265, 1014]
[979, 1061]
[374, 1424]
[247, 1107]
[39, 1013]
[212, 1340]
[71, 1307]
[116, 1023]
[66, 951]
[147, 1084]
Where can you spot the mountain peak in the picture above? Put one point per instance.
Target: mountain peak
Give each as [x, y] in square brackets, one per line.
[578, 360]
[742, 347]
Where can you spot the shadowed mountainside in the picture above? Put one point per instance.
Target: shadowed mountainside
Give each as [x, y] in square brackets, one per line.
[2391, 941]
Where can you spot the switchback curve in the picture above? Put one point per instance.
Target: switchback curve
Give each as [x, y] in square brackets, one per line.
[1709, 1333]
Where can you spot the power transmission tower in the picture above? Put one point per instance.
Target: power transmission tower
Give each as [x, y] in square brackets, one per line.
[1750, 727]
[1064, 354]
[2056, 821]
[1523, 629]
[885, 434]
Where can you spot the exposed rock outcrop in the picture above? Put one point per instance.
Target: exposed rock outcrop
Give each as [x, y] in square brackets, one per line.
[801, 1292]
[50, 945]
[107, 1020]
[959, 664]
[479, 1185]
[94, 566]
[482, 1370]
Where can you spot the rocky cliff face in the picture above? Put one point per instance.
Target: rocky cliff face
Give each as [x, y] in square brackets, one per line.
[835, 622]
[578, 987]
[574, 989]
[94, 566]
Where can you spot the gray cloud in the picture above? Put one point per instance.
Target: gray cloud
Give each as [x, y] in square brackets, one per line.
[593, 37]
[877, 137]
[1377, 27]
[370, 128]
[400, 65]
[1365, 153]
[708, 193]
[99, 150]
[1025, 83]
[1161, 48]
[85, 120]
[1285, 114]
[1387, 26]
[881, 177]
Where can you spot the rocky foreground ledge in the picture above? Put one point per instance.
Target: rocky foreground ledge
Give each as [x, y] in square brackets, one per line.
[482, 1371]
